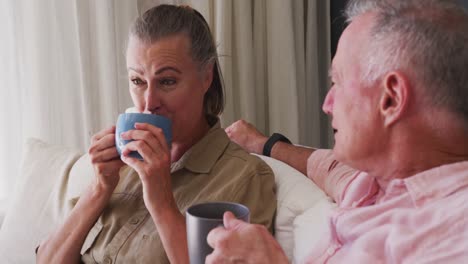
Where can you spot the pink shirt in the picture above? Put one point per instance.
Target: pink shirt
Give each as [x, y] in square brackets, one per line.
[421, 219]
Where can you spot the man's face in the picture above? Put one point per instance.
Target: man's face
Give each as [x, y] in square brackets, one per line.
[353, 103]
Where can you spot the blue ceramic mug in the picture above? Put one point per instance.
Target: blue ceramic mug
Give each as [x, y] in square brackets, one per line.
[127, 122]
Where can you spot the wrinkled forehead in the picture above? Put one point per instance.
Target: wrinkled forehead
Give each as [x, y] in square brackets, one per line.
[148, 56]
[178, 44]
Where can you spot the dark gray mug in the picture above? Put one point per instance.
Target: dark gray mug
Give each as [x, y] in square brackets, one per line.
[201, 219]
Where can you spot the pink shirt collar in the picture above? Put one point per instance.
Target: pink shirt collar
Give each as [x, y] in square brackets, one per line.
[433, 184]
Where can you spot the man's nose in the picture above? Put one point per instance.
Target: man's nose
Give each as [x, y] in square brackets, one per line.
[327, 106]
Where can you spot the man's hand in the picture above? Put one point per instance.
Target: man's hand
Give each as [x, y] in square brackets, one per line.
[241, 242]
[246, 136]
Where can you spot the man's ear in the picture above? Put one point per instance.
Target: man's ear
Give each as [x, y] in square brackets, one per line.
[395, 97]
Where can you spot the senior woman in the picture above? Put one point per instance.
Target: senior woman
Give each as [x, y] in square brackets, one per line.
[137, 215]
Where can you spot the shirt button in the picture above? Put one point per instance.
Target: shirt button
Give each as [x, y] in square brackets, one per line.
[134, 221]
[331, 250]
[107, 260]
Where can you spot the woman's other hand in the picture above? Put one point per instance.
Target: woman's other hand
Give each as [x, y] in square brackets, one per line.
[154, 169]
[247, 136]
[105, 159]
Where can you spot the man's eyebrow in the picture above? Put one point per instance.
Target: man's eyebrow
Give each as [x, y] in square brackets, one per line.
[167, 68]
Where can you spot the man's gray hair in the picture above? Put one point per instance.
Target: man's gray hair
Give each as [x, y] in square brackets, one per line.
[427, 37]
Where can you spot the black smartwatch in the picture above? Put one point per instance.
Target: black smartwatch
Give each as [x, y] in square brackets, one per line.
[271, 141]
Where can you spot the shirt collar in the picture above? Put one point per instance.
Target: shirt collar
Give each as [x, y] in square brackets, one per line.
[202, 156]
[437, 183]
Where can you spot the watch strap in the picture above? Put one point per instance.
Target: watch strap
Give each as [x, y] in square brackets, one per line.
[271, 142]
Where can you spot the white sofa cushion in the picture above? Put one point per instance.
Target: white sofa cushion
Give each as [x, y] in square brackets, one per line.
[81, 176]
[302, 210]
[38, 205]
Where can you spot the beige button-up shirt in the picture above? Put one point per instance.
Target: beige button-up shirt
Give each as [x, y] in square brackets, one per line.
[214, 169]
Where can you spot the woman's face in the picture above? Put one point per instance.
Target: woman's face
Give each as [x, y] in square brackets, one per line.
[164, 80]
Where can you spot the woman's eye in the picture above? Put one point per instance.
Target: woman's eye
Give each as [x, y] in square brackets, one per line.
[167, 82]
[137, 81]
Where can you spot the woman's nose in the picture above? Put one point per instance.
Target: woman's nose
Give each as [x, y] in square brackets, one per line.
[153, 99]
[327, 106]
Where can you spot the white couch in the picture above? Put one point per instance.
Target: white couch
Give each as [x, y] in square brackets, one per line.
[51, 175]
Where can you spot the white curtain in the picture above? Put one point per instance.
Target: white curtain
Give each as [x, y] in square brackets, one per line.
[63, 72]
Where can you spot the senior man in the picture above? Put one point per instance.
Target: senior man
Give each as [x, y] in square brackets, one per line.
[399, 167]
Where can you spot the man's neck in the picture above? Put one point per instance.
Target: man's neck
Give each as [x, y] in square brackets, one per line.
[416, 154]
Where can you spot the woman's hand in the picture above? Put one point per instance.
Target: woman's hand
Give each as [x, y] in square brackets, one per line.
[154, 169]
[64, 245]
[246, 136]
[105, 159]
[154, 172]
